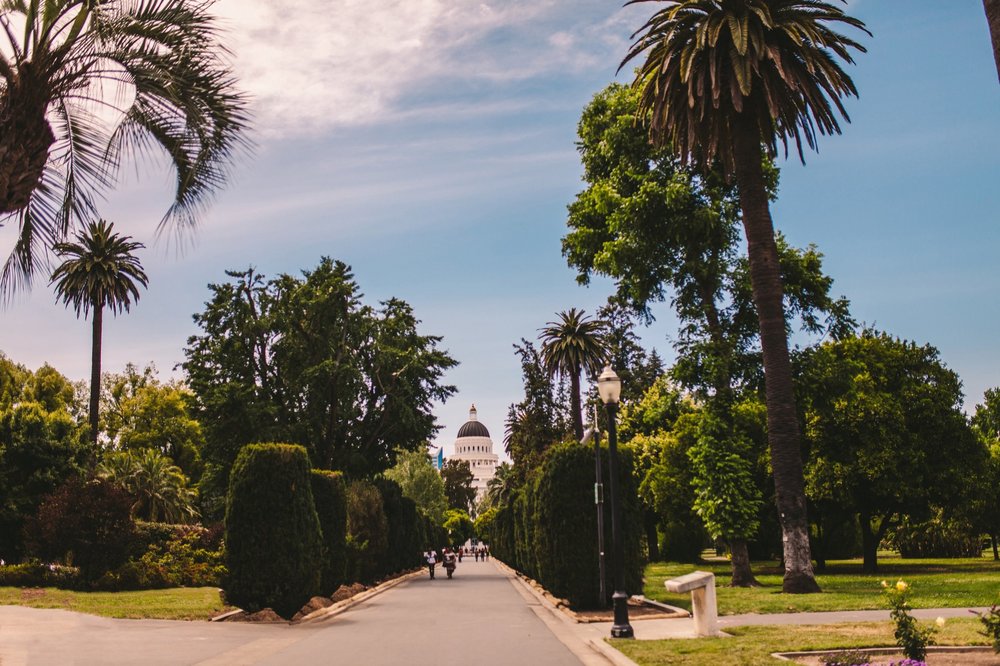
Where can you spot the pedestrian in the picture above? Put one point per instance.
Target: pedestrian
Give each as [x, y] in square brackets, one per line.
[460, 554]
[486, 552]
[448, 557]
[431, 558]
[475, 551]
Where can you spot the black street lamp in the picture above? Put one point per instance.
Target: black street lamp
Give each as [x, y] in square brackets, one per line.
[609, 387]
[594, 433]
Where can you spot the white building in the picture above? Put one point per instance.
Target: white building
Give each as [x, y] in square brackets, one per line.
[474, 446]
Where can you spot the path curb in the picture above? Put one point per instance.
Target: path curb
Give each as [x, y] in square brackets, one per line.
[341, 606]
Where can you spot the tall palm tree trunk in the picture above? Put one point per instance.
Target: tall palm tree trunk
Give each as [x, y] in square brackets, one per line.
[992, 8]
[25, 139]
[95, 375]
[574, 402]
[782, 420]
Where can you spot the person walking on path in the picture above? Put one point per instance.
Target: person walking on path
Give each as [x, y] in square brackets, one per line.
[431, 558]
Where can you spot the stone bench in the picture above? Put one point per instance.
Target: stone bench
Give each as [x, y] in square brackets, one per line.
[701, 585]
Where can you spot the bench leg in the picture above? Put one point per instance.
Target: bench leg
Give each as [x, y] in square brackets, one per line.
[705, 610]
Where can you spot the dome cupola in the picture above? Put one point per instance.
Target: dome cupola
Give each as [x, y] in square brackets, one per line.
[472, 427]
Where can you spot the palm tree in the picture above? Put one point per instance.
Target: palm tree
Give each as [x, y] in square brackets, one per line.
[725, 80]
[569, 346]
[99, 271]
[159, 487]
[500, 488]
[85, 84]
[992, 8]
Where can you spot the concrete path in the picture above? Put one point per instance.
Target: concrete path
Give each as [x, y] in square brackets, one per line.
[482, 616]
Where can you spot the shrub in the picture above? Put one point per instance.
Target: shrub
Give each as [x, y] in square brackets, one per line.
[83, 523]
[273, 540]
[937, 537]
[367, 530]
[330, 496]
[404, 537]
[35, 574]
[564, 538]
[991, 625]
[910, 636]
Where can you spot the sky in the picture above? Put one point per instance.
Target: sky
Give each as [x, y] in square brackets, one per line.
[430, 145]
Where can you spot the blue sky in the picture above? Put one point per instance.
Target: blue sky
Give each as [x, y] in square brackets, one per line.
[430, 145]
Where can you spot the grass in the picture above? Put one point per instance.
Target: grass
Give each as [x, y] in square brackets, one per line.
[753, 646]
[180, 603]
[936, 583]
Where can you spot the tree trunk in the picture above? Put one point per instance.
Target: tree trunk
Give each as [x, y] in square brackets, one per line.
[782, 419]
[993, 541]
[869, 545]
[574, 400]
[95, 376]
[650, 520]
[742, 573]
[992, 8]
[25, 139]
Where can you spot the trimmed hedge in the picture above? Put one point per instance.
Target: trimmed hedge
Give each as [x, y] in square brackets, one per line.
[405, 535]
[330, 497]
[274, 547]
[367, 532]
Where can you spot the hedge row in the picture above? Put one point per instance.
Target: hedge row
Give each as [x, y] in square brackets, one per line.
[548, 530]
[293, 532]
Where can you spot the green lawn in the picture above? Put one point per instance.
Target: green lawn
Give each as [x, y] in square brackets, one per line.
[752, 646]
[181, 603]
[950, 583]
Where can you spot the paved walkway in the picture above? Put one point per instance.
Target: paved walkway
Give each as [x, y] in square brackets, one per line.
[481, 616]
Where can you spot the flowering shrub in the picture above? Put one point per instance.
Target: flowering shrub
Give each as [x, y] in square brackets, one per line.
[991, 624]
[909, 635]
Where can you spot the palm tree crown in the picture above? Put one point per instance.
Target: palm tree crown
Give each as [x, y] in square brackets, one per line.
[99, 271]
[87, 83]
[571, 345]
[709, 61]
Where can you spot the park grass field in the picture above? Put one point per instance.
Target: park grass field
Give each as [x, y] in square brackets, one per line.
[181, 603]
[753, 646]
[935, 583]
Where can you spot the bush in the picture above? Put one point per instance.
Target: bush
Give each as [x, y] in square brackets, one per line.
[330, 496]
[274, 545]
[86, 524]
[937, 537]
[368, 532]
[563, 533]
[405, 529]
[910, 636]
[991, 625]
[35, 574]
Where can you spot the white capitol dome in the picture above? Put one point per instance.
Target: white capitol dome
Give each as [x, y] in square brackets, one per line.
[474, 446]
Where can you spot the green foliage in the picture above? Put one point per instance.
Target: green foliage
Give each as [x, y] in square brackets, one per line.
[159, 488]
[41, 446]
[991, 626]
[404, 529]
[848, 658]
[460, 527]
[457, 477]
[539, 420]
[367, 532]
[726, 497]
[140, 412]
[274, 547]
[570, 346]
[180, 561]
[330, 497]
[86, 524]
[305, 360]
[419, 481]
[563, 526]
[910, 636]
[877, 410]
[940, 536]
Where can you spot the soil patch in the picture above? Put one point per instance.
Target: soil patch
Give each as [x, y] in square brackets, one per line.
[940, 656]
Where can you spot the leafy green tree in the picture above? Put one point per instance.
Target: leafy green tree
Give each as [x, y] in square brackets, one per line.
[98, 271]
[986, 510]
[86, 85]
[539, 420]
[419, 481]
[305, 360]
[459, 525]
[457, 477]
[744, 85]
[572, 345]
[140, 412]
[159, 489]
[886, 433]
[501, 487]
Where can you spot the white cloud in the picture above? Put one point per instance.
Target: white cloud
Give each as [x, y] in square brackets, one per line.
[314, 66]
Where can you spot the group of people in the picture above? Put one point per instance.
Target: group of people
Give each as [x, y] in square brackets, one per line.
[450, 557]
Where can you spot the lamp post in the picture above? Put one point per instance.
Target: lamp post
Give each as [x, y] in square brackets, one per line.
[594, 433]
[609, 387]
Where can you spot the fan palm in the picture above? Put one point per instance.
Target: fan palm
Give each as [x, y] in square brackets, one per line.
[99, 272]
[86, 83]
[500, 488]
[159, 487]
[569, 346]
[723, 81]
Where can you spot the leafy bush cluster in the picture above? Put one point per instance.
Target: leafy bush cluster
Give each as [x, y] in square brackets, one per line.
[293, 532]
[910, 636]
[548, 529]
[991, 626]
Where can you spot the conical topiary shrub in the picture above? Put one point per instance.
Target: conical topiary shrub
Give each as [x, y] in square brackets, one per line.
[330, 495]
[273, 540]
